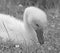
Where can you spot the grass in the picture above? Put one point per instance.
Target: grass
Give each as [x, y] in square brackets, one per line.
[10, 46]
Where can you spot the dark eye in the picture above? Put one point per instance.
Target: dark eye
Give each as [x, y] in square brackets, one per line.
[37, 25]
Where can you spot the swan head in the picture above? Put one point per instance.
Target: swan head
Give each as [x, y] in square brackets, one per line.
[35, 17]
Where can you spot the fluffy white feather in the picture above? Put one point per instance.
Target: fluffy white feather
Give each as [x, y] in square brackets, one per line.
[21, 31]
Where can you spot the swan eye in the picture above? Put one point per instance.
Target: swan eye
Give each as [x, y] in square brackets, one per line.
[37, 25]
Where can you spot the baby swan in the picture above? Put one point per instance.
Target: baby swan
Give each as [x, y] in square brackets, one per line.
[23, 31]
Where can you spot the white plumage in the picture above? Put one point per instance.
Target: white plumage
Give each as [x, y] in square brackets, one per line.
[21, 31]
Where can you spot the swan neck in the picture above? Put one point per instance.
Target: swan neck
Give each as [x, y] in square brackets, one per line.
[28, 26]
[26, 23]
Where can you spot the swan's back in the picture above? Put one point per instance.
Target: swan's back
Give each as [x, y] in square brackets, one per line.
[12, 25]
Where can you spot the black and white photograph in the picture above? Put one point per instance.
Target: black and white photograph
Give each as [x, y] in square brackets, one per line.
[29, 26]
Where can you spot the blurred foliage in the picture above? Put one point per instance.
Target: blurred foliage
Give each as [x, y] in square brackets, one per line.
[12, 7]
[45, 4]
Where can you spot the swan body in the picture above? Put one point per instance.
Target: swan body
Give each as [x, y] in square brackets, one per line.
[21, 31]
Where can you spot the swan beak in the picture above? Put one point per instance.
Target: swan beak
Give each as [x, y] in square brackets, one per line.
[40, 36]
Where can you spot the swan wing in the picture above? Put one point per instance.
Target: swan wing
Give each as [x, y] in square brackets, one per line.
[9, 28]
